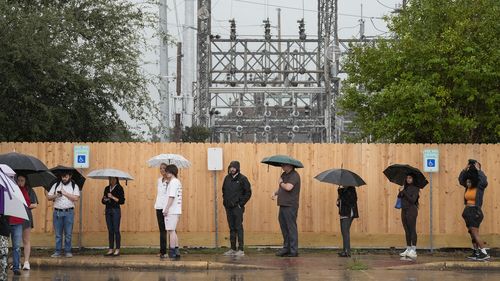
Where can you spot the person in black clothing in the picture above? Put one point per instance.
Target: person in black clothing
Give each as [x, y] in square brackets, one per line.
[409, 195]
[236, 191]
[113, 197]
[348, 210]
[475, 182]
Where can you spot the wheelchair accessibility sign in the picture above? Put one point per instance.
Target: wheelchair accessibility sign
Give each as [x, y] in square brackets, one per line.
[431, 160]
[81, 156]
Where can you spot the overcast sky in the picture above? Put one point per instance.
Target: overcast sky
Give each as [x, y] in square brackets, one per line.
[249, 15]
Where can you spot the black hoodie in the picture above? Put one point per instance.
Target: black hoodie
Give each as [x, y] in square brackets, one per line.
[236, 191]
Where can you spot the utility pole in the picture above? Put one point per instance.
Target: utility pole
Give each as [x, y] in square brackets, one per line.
[280, 61]
[178, 109]
[164, 83]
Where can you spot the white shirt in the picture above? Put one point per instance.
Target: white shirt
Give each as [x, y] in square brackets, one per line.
[161, 195]
[174, 189]
[63, 202]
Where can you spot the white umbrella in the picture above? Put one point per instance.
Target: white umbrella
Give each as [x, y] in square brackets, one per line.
[176, 159]
[7, 170]
[104, 174]
[12, 202]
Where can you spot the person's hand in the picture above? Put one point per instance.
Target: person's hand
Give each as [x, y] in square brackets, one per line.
[478, 166]
[165, 213]
[110, 195]
[401, 188]
[33, 206]
[274, 195]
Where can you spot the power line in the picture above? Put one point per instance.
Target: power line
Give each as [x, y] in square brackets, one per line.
[376, 27]
[392, 8]
[299, 9]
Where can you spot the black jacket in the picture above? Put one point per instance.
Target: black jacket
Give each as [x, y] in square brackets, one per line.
[409, 197]
[347, 202]
[118, 193]
[236, 191]
[482, 183]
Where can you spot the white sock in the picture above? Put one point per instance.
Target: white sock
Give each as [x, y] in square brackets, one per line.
[414, 248]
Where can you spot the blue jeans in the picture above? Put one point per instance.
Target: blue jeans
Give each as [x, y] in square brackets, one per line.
[113, 217]
[16, 234]
[63, 221]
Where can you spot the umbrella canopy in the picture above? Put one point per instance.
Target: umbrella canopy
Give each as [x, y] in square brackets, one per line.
[397, 174]
[279, 160]
[7, 170]
[77, 177]
[45, 179]
[12, 202]
[176, 159]
[104, 174]
[341, 177]
[22, 162]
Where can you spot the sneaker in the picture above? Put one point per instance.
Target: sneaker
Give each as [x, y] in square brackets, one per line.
[282, 252]
[229, 253]
[482, 255]
[412, 254]
[405, 253]
[239, 253]
[55, 255]
[26, 265]
[344, 255]
[68, 255]
[17, 272]
[474, 254]
[177, 253]
[163, 256]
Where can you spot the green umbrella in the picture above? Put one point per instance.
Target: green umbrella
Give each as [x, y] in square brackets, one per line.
[279, 160]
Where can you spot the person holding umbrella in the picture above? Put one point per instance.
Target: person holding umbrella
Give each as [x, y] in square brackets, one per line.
[475, 182]
[288, 194]
[64, 193]
[32, 201]
[173, 209]
[113, 197]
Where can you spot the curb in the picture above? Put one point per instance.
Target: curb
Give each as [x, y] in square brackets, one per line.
[167, 265]
[451, 265]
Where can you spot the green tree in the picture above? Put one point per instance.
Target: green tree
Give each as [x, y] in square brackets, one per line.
[437, 80]
[195, 134]
[68, 66]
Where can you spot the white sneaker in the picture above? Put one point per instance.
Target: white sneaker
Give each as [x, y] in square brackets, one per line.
[405, 253]
[412, 254]
[239, 253]
[230, 252]
[26, 266]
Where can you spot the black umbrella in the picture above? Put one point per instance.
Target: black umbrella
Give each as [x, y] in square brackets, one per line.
[341, 177]
[77, 177]
[22, 162]
[45, 179]
[279, 160]
[397, 174]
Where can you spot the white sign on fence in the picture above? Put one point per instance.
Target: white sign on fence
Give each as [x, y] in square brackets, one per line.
[431, 160]
[215, 159]
[81, 155]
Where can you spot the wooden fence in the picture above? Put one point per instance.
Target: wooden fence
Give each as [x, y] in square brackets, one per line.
[379, 224]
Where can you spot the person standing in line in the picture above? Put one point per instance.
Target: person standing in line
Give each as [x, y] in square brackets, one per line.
[409, 195]
[236, 191]
[475, 182]
[173, 210]
[4, 246]
[160, 204]
[30, 195]
[64, 193]
[113, 197]
[288, 202]
[348, 210]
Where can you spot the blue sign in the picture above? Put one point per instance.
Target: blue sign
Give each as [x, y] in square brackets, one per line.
[81, 156]
[431, 160]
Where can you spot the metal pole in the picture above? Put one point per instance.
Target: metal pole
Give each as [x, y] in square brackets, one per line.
[216, 212]
[430, 220]
[80, 234]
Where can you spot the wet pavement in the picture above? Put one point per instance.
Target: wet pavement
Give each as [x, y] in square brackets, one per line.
[290, 274]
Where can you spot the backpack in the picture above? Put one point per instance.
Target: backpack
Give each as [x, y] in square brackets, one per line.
[57, 182]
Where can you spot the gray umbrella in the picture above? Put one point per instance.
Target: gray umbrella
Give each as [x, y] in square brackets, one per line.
[341, 177]
[104, 174]
[279, 160]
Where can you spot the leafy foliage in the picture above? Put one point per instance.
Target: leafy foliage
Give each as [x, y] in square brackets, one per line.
[68, 66]
[437, 80]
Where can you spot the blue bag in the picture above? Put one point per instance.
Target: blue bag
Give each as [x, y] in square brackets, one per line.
[398, 203]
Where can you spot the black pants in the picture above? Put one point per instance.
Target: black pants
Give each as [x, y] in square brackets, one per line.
[345, 229]
[409, 220]
[288, 224]
[163, 233]
[113, 217]
[235, 221]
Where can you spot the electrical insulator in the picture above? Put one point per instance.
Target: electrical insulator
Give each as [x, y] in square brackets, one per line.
[267, 29]
[302, 29]
[232, 36]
